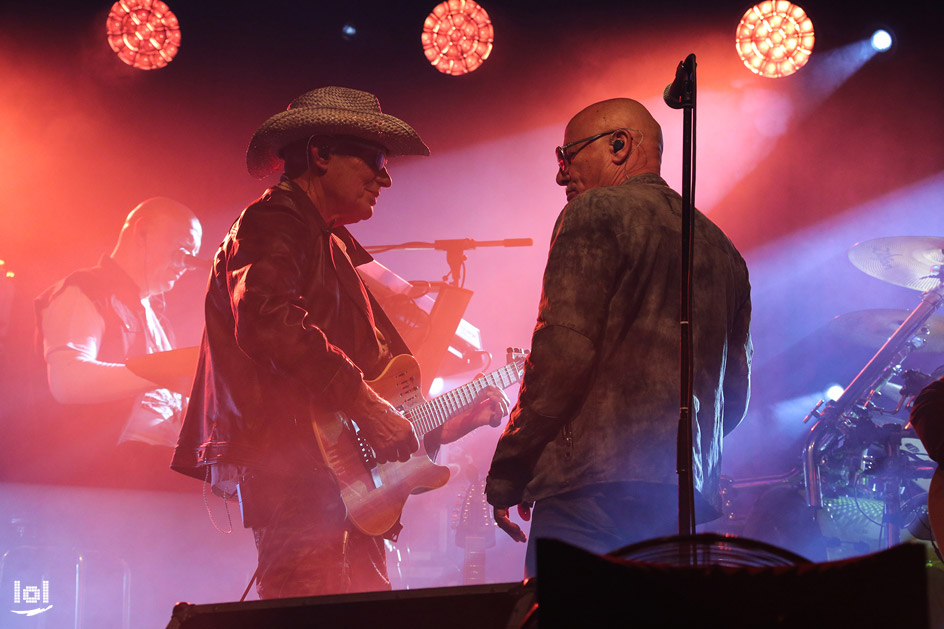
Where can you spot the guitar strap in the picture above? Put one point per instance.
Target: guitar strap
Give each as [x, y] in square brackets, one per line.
[397, 345]
[343, 241]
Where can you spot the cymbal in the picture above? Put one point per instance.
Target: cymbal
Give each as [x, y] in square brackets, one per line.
[871, 328]
[902, 260]
[173, 369]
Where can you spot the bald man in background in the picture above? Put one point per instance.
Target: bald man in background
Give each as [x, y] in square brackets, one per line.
[591, 443]
[112, 427]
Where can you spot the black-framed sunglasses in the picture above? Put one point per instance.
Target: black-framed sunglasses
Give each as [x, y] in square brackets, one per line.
[564, 160]
[374, 156]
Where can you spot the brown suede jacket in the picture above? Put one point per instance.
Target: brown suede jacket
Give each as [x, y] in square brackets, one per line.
[599, 399]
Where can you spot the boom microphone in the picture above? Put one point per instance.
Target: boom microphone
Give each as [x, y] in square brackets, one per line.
[678, 93]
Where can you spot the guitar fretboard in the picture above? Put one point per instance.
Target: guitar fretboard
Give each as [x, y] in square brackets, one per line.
[436, 412]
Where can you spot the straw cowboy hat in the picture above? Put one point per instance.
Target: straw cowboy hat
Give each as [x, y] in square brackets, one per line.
[329, 111]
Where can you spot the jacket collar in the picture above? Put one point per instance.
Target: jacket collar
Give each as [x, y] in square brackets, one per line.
[645, 178]
[355, 251]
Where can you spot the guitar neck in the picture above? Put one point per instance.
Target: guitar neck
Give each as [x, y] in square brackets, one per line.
[434, 413]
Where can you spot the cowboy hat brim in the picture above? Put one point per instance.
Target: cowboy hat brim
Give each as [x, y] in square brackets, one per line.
[296, 123]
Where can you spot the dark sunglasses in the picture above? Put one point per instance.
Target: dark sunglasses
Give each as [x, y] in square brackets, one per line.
[564, 160]
[374, 156]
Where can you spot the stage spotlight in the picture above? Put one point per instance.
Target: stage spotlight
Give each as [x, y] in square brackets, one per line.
[348, 31]
[833, 392]
[775, 38]
[144, 34]
[457, 36]
[881, 40]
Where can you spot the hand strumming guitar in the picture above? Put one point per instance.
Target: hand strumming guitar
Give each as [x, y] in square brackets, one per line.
[388, 433]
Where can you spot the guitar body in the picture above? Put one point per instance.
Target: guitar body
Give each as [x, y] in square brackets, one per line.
[373, 493]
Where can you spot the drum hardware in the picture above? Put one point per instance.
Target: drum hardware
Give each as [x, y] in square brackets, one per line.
[871, 328]
[913, 262]
[730, 489]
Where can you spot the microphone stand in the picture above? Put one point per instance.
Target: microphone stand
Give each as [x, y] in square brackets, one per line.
[681, 95]
[455, 252]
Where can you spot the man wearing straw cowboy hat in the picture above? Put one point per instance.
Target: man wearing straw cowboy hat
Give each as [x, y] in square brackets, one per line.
[291, 331]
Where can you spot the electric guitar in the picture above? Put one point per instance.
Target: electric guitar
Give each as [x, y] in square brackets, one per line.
[374, 493]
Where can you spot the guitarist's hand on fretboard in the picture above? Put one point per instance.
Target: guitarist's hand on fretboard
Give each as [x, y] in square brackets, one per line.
[490, 406]
[388, 433]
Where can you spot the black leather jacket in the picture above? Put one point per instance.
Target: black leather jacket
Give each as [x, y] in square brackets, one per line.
[289, 328]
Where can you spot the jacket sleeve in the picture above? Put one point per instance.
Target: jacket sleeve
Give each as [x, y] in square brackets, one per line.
[270, 259]
[737, 373]
[582, 267]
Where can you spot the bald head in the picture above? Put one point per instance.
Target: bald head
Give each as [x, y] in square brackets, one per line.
[157, 243]
[633, 146]
[618, 113]
[159, 211]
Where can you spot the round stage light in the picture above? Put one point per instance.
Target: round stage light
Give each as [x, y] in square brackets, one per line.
[144, 34]
[775, 38]
[881, 40]
[457, 36]
[833, 392]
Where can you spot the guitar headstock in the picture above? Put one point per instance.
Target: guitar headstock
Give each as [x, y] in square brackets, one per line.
[473, 518]
[517, 356]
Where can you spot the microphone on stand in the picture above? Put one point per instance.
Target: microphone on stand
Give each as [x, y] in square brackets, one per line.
[455, 252]
[678, 93]
[517, 242]
[469, 243]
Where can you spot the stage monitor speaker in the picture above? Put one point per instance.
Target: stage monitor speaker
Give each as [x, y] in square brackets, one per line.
[578, 588]
[469, 607]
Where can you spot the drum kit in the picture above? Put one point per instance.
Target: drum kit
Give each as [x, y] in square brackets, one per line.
[862, 465]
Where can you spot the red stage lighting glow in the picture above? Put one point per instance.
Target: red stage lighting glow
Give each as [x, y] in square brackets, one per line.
[775, 38]
[144, 34]
[457, 36]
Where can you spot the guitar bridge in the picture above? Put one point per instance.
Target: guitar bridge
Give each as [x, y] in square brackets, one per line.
[368, 458]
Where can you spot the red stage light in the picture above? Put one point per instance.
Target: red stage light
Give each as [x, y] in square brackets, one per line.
[457, 36]
[144, 34]
[775, 38]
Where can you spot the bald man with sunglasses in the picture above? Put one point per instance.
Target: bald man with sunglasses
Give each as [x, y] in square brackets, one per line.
[591, 443]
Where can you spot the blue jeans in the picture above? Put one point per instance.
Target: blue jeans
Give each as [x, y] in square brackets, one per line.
[603, 517]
